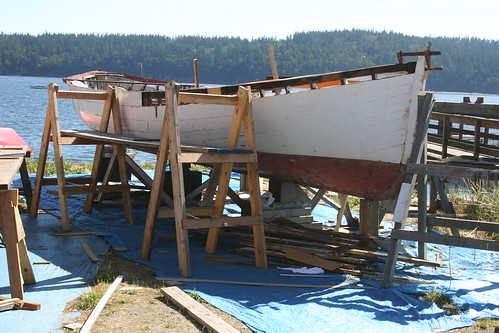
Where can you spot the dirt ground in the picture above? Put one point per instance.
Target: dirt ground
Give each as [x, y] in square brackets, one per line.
[138, 305]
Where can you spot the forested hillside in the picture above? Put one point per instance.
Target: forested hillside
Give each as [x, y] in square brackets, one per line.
[470, 65]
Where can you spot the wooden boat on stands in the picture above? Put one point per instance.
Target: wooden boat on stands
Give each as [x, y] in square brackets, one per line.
[351, 131]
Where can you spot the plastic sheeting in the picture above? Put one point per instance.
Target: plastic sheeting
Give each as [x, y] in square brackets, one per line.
[469, 277]
[57, 283]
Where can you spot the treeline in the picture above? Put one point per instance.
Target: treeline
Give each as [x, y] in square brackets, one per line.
[470, 64]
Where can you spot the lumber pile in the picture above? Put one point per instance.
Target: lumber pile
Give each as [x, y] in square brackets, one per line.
[293, 245]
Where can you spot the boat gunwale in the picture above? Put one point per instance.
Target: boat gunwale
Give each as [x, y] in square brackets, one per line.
[374, 71]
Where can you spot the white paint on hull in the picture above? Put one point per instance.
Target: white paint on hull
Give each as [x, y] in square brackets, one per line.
[373, 120]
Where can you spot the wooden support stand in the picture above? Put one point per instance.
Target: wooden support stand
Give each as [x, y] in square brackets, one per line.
[19, 265]
[422, 171]
[210, 217]
[52, 132]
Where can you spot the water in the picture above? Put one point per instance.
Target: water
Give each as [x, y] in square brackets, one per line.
[23, 109]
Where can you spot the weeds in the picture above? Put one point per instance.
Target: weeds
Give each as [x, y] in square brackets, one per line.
[443, 302]
[196, 296]
[88, 300]
[50, 169]
[487, 323]
[480, 202]
[105, 275]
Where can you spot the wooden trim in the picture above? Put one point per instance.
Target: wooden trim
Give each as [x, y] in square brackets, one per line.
[453, 171]
[480, 244]
[82, 95]
[195, 211]
[311, 79]
[198, 98]
[448, 222]
[219, 222]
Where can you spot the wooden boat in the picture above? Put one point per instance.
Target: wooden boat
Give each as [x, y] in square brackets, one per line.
[350, 132]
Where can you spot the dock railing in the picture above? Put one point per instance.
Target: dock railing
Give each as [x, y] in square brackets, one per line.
[465, 128]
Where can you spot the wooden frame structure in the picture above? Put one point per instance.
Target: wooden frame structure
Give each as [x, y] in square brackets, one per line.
[168, 149]
[11, 226]
[52, 133]
[422, 171]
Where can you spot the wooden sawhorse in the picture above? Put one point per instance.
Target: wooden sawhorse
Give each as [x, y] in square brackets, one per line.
[12, 230]
[52, 132]
[170, 149]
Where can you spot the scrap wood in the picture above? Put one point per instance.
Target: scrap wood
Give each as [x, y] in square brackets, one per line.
[90, 253]
[89, 323]
[268, 284]
[311, 260]
[73, 326]
[76, 233]
[230, 261]
[41, 262]
[10, 303]
[197, 311]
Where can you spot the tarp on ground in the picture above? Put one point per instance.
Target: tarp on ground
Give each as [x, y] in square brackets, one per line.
[470, 278]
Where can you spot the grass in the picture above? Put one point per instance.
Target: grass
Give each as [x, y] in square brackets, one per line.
[480, 202]
[443, 302]
[50, 169]
[88, 300]
[195, 296]
[487, 323]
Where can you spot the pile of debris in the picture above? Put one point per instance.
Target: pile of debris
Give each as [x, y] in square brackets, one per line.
[288, 243]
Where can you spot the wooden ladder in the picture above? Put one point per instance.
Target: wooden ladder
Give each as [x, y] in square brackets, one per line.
[52, 132]
[205, 216]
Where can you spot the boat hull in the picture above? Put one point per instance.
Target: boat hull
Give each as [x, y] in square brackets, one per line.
[354, 139]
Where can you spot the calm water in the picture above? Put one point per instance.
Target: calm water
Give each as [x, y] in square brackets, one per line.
[23, 109]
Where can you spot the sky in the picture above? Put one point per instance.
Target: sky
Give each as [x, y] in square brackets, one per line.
[252, 19]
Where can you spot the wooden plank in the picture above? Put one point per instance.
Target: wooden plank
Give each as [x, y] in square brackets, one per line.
[369, 215]
[42, 159]
[309, 79]
[226, 168]
[219, 222]
[269, 284]
[195, 211]
[171, 118]
[76, 233]
[254, 187]
[82, 95]
[453, 171]
[481, 244]
[186, 97]
[90, 253]
[311, 260]
[12, 233]
[92, 318]
[478, 110]
[197, 311]
[26, 268]
[448, 222]
[95, 189]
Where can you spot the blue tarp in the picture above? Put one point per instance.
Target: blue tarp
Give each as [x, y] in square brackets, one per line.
[469, 277]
